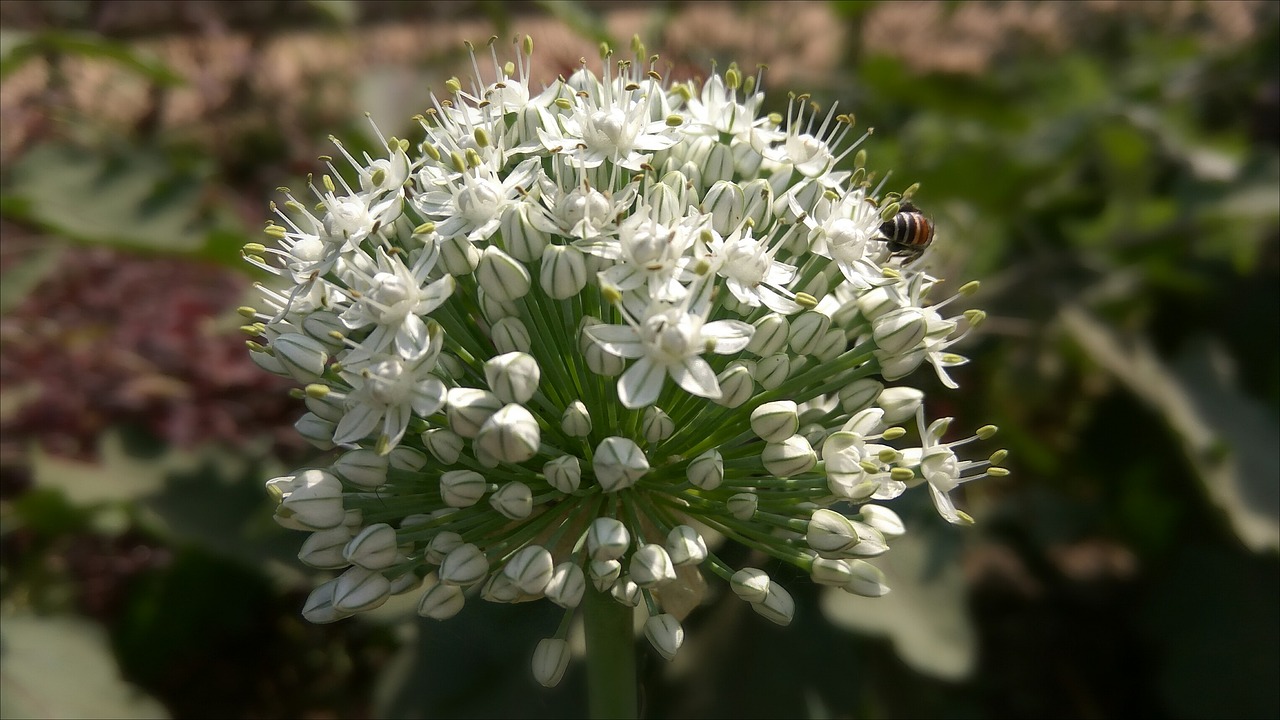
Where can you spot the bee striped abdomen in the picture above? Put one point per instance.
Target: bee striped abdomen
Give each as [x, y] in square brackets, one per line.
[908, 232]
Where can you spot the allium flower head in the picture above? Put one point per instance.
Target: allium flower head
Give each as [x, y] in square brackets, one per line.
[578, 335]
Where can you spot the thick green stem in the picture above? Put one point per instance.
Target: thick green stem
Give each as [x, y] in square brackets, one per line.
[611, 658]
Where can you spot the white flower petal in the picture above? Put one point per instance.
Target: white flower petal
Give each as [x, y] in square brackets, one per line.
[731, 336]
[358, 422]
[697, 378]
[641, 384]
[621, 340]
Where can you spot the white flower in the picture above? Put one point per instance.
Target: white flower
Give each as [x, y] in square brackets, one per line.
[752, 275]
[453, 312]
[394, 300]
[475, 209]
[388, 389]
[669, 341]
[608, 125]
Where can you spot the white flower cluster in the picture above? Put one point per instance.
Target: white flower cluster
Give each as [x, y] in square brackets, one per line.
[571, 335]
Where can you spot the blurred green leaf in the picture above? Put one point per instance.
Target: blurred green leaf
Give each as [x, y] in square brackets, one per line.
[1212, 614]
[1229, 439]
[218, 504]
[116, 477]
[197, 606]
[85, 45]
[924, 614]
[342, 12]
[133, 199]
[580, 19]
[208, 497]
[61, 667]
[18, 282]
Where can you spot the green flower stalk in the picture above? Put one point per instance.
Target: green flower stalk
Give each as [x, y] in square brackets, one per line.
[574, 338]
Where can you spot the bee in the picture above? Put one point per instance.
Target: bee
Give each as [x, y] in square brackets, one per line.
[908, 233]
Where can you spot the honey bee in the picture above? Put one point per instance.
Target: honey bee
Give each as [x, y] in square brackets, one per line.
[908, 233]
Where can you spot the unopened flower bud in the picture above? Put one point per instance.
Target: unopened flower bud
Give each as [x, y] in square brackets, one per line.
[707, 470]
[362, 467]
[743, 505]
[510, 335]
[576, 421]
[563, 473]
[406, 458]
[870, 543]
[512, 377]
[374, 548]
[777, 606]
[770, 335]
[494, 309]
[462, 488]
[444, 445]
[807, 331]
[899, 403]
[792, 456]
[775, 421]
[500, 589]
[736, 385]
[326, 405]
[464, 566]
[514, 500]
[320, 326]
[625, 591]
[686, 546]
[618, 463]
[550, 658]
[725, 202]
[521, 235]
[656, 425]
[440, 545]
[665, 634]
[876, 302]
[501, 275]
[899, 331]
[598, 361]
[651, 566]
[604, 573]
[316, 430]
[459, 256]
[859, 394]
[772, 371]
[830, 346]
[530, 569]
[666, 206]
[896, 367]
[309, 500]
[440, 601]
[607, 539]
[750, 584]
[564, 271]
[883, 519]
[358, 590]
[758, 196]
[566, 586]
[319, 607]
[831, 534]
[323, 548]
[865, 579]
[407, 582]
[510, 435]
[832, 572]
[302, 357]
[469, 409]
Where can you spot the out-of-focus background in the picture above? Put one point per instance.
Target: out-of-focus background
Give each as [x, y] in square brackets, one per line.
[1111, 171]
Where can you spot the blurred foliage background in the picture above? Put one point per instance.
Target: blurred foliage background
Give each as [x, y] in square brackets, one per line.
[1111, 171]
